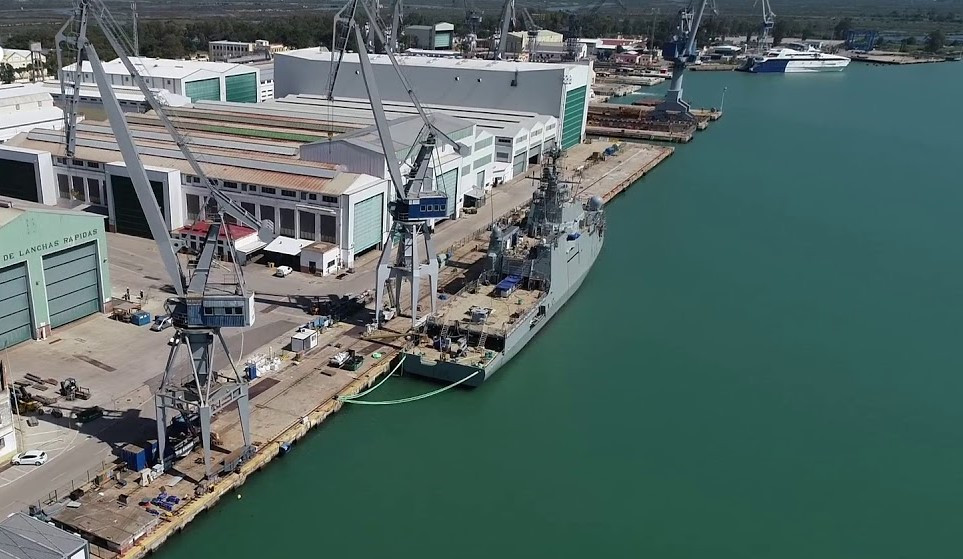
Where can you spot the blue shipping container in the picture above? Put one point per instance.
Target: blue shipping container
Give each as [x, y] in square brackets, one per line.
[134, 456]
[140, 318]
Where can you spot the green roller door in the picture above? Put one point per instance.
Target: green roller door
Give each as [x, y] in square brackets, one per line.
[204, 90]
[368, 223]
[14, 306]
[518, 165]
[72, 283]
[241, 88]
[448, 183]
[574, 111]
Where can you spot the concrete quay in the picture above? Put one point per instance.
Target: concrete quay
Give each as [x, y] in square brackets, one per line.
[286, 404]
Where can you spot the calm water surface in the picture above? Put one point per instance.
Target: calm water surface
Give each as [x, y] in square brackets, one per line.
[764, 363]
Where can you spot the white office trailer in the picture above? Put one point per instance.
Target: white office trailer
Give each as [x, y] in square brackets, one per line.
[557, 90]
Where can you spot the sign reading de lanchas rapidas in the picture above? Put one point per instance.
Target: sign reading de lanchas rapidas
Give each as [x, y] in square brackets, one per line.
[50, 245]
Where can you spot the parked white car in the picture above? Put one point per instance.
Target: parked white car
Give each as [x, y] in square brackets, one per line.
[283, 271]
[162, 322]
[30, 458]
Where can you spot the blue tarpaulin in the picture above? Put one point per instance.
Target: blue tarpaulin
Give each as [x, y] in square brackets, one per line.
[507, 285]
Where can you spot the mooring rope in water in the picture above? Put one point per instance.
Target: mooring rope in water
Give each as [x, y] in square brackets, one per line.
[410, 398]
[380, 382]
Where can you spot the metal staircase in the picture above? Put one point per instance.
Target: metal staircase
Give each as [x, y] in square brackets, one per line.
[483, 337]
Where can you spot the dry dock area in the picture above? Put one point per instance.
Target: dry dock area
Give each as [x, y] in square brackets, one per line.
[124, 517]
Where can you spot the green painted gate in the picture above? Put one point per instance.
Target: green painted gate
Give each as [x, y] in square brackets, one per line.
[448, 183]
[368, 223]
[15, 324]
[72, 284]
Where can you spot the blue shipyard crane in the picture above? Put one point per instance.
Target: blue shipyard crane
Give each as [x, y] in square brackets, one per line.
[201, 306]
[681, 51]
[414, 207]
[768, 22]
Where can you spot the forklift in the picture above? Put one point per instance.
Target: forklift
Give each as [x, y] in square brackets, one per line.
[70, 390]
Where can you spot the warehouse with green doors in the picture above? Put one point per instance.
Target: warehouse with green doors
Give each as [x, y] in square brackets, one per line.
[53, 270]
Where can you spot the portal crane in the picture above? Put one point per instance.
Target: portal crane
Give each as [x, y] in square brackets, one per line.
[473, 18]
[768, 22]
[681, 51]
[532, 29]
[200, 306]
[414, 206]
[507, 21]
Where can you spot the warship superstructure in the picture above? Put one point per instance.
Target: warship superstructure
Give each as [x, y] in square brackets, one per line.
[531, 271]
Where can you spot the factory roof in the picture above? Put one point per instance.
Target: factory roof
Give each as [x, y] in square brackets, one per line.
[499, 122]
[226, 165]
[200, 228]
[167, 68]
[25, 537]
[462, 63]
[123, 93]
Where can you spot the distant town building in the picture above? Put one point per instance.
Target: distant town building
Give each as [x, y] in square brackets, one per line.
[198, 80]
[20, 59]
[518, 41]
[233, 51]
[25, 107]
[431, 37]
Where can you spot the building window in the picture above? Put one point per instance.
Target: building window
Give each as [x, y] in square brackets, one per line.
[267, 212]
[193, 207]
[329, 199]
[304, 195]
[329, 229]
[306, 225]
[289, 193]
[286, 227]
[93, 187]
[312, 196]
[62, 160]
[93, 165]
[268, 190]
[63, 184]
[76, 162]
[229, 184]
[79, 191]
[503, 157]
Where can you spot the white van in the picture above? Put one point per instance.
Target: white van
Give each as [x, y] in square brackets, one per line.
[283, 271]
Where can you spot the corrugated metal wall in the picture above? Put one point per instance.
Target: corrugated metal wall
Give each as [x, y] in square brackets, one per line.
[572, 121]
[204, 90]
[72, 283]
[14, 305]
[368, 221]
[448, 183]
[241, 88]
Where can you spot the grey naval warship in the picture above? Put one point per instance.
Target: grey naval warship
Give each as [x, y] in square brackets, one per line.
[529, 273]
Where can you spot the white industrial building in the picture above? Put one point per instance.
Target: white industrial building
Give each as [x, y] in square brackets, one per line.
[129, 96]
[197, 80]
[518, 42]
[557, 90]
[513, 139]
[438, 36]
[26, 537]
[25, 107]
[21, 59]
[228, 51]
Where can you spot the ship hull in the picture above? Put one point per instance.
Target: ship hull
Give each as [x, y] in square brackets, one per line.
[530, 326]
[785, 66]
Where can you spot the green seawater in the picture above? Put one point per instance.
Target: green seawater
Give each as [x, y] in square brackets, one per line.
[764, 363]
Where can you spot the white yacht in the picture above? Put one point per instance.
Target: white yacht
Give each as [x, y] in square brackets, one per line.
[794, 58]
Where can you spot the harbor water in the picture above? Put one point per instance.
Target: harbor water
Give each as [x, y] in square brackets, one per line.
[765, 362]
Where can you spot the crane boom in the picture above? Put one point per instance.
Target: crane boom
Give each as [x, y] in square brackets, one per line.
[681, 52]
[508, 17]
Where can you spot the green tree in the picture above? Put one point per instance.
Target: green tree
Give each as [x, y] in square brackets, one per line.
[843, 26]
[935, 41]
[7, 74]
[779, 31]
